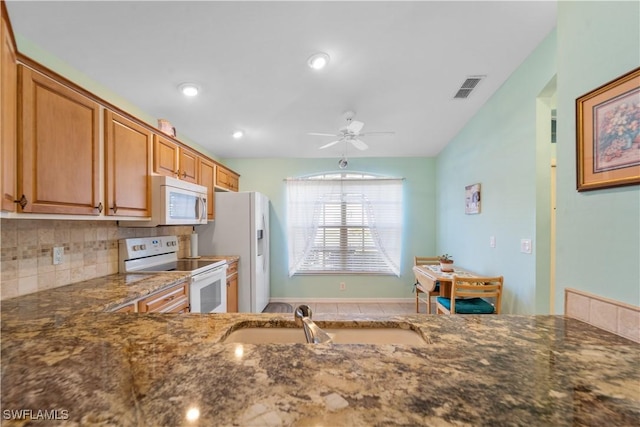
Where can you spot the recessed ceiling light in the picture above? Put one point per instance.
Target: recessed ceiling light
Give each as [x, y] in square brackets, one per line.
[189, 89]
[238, 134]
[318, 61]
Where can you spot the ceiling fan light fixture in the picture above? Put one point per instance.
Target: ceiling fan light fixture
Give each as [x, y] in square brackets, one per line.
[189, 89]
[237, 134]
[343, 163]
[318, 61]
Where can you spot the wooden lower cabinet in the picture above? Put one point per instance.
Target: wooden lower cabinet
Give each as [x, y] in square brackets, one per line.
[174, 299]
[232, 287]
[129, 308]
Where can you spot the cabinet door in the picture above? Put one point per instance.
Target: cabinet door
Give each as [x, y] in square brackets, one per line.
[226, 179]
[127, 166]
[165, 156]
[232, 287]
[222, 178]
[58, 147]
[207, 176]
[188, 165]
[8, 115]
[129, 308]
[171, 300]
[232, 294]
[234, 182]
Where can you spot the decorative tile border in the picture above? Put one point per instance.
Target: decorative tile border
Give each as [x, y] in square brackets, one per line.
[613, 316]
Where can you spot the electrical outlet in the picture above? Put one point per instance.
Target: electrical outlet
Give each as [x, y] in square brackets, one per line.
[343, 286]
[525, 246]
[58, 255]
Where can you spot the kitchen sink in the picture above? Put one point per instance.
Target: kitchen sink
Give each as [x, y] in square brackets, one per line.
[346, 335]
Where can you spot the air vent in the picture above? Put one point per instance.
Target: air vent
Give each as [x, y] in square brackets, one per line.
[468, 86]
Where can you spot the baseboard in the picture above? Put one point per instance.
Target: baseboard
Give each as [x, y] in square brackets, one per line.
[344, 300]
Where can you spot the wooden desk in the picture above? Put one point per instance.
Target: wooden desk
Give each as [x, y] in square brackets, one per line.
[428, 275]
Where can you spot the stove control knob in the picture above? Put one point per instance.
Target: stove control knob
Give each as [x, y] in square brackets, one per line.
[135, 247]
[143, 247]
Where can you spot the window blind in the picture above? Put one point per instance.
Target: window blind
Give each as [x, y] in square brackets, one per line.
[344, 223]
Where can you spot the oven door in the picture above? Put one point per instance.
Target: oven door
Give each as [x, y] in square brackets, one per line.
[208, 292]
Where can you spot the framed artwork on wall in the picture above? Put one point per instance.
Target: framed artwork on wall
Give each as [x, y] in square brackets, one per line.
[608, 134]
[472, 199]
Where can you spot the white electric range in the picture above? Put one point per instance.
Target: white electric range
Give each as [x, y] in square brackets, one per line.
[208, 288]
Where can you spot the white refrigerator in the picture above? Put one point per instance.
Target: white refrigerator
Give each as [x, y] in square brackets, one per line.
[241, 227]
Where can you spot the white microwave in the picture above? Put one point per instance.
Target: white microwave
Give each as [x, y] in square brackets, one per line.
[174, 202]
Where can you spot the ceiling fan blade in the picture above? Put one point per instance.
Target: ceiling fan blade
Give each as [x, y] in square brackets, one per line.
[322, 134]
[355, 126]
[379, 133]
[360, 145]
[329, 144]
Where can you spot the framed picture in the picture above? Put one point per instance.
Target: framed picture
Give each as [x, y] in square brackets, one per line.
[608, 134]
[472, 199]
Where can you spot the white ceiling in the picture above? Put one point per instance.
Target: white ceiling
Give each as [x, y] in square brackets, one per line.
[396, 64]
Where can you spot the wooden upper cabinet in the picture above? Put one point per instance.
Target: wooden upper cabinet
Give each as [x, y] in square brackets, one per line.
[207, 178]
[8, 115]
[170, 159]
[58, 147]
[188, 165]
[127, 166]
[165, 157]
[227, 179]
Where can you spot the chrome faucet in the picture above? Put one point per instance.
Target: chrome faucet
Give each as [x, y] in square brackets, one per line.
[313, 333]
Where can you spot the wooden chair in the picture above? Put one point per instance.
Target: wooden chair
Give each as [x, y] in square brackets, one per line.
[468, 296]
[425, 260]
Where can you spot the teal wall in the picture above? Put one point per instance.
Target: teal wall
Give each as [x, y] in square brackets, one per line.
[598, 232]
[267, 175]
[598, 236]
[497, 148]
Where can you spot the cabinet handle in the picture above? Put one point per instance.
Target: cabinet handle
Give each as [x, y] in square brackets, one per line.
[170, 298]
[22, 201]
[184, 174]
[177, 173]
[114, 208]
[99, 207]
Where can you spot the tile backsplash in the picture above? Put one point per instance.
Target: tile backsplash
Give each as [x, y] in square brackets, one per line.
[614, 316]
[90, 251]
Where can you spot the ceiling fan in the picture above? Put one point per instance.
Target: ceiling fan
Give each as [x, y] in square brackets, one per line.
[350, 133]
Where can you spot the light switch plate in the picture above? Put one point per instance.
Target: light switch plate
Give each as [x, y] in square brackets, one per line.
[525, 246]
[492, 241]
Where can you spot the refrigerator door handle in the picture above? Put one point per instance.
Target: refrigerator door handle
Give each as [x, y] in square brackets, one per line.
[264, 259]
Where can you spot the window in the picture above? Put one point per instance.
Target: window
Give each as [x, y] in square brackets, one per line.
[344, 223]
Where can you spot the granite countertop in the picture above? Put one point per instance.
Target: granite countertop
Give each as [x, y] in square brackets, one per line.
[228, 258]
[62, 353]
